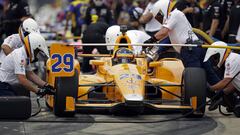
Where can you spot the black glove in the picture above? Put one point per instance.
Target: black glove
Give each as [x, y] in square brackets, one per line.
[151, 40]
[46, 89]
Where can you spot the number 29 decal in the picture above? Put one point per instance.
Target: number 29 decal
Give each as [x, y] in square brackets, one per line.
[64, 63]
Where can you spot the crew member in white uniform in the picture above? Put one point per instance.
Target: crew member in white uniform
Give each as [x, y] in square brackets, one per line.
[135, 36]
[231, 81]
[152, 26]
[16, 69]
[176, 26]
[15, 41]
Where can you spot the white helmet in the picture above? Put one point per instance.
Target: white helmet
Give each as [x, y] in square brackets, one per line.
[29, 25]
[223, 53]
[35, 43]
[111, 36]
[162, 7]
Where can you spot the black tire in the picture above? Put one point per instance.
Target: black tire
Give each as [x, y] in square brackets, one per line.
[15, 107]
[65, 86]
[195, 84]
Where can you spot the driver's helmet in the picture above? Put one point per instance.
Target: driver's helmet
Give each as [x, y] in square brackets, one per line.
[124, 55]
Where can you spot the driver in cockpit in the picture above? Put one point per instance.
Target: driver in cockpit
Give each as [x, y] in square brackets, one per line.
[124, 55]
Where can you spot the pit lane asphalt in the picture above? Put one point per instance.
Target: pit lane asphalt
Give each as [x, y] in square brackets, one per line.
[212, 124]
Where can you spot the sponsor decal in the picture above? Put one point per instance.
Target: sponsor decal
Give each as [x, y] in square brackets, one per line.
[22, 65]
[123, 76]
[135, 76]
[228, 69]
[131, 81]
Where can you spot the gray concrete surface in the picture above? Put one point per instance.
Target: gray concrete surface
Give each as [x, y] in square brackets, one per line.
[212, 124]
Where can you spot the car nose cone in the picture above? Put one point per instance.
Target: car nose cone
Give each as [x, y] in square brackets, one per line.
[134, 97]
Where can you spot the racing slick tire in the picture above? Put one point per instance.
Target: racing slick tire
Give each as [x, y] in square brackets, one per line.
[65, 86]
[194, 85]
[15, 107]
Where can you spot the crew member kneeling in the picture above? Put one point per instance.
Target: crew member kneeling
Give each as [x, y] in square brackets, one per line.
[229, 86]
[16, 69]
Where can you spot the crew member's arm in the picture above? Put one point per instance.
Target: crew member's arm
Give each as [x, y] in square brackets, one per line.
[225, 28]
[163, 33]
[223, 85]
[214, 26]
[68, 16]
[146, 18]
[216, 14]
[26, 83]
[6, 49]
[231, 70]
[9, 43]
[35, 79]
[188, 10]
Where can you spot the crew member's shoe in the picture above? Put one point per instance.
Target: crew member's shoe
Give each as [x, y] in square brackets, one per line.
[214, 104]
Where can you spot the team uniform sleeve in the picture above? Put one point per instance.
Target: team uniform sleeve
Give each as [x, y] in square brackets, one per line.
[171, 21]
[147, 9]
[11, 42]
[19, 65]
[231, 69]
[155, 9]
[216, 12]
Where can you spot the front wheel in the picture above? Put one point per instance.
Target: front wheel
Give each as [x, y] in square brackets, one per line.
[195, 85]
[65, 87]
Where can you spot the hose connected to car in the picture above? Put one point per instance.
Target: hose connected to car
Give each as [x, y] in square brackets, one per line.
[39, 108]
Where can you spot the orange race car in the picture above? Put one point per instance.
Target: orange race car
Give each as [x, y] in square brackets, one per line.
[122, 83]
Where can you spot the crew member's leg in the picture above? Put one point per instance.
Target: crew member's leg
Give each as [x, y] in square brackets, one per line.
[6, 89]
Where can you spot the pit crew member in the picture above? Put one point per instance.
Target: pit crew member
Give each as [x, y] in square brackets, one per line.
[101, 10]
[152, 26]
[76, 12]
[16, 68]
[231, 82]
[93, 34]
[15, 41]
[17, 11]
[136, 36]
[176, 26]
[192, 11]
[215, 22]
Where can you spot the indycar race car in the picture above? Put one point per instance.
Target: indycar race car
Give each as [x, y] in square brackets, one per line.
[122, 83]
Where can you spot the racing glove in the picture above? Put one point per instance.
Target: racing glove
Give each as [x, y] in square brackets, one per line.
[153, 39]
[46, 89]
[216, 100]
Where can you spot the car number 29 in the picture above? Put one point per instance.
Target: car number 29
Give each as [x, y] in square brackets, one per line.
[66, 60]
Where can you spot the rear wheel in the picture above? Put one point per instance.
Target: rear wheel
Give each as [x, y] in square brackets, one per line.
[194, 80]
[65, 87]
